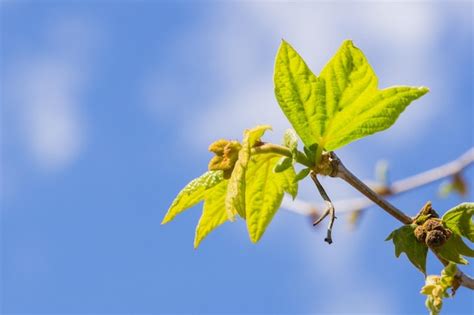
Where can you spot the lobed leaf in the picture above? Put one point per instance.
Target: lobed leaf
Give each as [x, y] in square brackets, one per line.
[300, 94]
[264, 192]
[213, 213]
[192, 193]
[405, 242]
[343, 104]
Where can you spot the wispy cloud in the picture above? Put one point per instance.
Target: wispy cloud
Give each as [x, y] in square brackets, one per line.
[44, 93]
[400, 40]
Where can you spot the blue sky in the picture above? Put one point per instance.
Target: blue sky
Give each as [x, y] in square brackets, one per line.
[107, 109]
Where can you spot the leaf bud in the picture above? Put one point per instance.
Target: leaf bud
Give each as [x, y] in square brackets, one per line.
[227, 153]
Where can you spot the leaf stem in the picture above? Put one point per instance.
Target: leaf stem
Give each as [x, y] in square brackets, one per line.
[329, 210]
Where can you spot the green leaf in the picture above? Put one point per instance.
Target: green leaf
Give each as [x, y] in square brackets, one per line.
[405, 242]
[311, 152]
[264, 192]
[235, 199]
[283, 164]
[459, 220]
[454, 249]
[300, 94]
[192, 193]
[290, 140]
[302, 174]
[343, 104]
[213, 213]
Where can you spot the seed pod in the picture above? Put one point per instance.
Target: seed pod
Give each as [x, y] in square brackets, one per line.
[420, 233]
[435, 238]
[433, 224]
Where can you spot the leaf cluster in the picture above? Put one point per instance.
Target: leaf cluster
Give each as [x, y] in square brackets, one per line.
[328, 111]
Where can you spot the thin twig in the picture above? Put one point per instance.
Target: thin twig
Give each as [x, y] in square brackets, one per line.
[396, 188]
[449, 169]
[329, 208]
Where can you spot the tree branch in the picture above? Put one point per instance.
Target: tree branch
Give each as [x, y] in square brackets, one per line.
[396, 188]
[446, 170]
[346, 175]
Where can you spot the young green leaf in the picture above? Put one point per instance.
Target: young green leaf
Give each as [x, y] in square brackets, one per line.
[436, 287]
[264, 192]
[300, 94]
[454, 249]
[192, 193]
[405, 242]
[213, 213]
[302, 174]
[283, 164]
[235, 199]
[459, 220]
[343, 104]
[290, 140]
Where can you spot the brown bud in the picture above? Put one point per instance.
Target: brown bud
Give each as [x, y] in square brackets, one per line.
[218, 146]
[227, 153]
[435, 238]
[420, 233]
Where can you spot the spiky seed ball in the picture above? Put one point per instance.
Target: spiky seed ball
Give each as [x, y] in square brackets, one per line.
[435, 238]
[420, 233]
[447, 233]
[433, 224]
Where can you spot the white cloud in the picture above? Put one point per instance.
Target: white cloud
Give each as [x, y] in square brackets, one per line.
[44, 90]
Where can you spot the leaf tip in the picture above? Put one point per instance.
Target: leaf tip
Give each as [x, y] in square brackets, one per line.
[165, 220]
[423, 89]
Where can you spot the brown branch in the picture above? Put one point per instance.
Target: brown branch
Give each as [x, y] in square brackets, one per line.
[346, 175]
[424, 178]
[396, 188]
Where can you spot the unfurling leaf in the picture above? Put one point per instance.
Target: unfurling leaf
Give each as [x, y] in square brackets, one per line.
[302, 174]
[283, 164]
[290, 140]
[227, 153]
[405, 242]
[235, 199]
[343, 104]
[264, 192]
[193, 193]
[459, 220]
[436, 287]
[213, 212]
